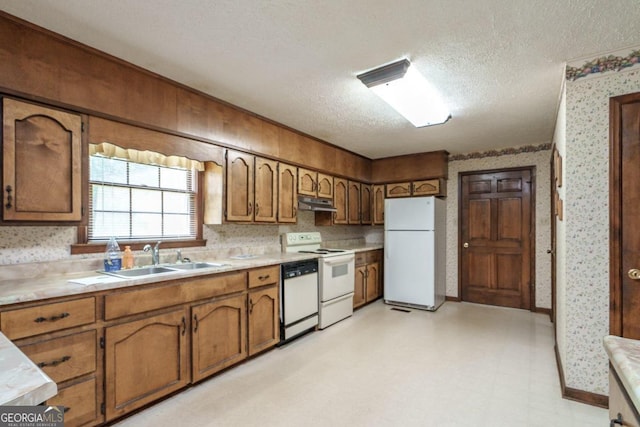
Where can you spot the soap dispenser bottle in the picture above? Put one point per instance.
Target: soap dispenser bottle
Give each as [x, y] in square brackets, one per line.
[112, 256]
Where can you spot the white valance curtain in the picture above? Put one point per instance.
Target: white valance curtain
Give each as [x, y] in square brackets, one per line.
[109, 150]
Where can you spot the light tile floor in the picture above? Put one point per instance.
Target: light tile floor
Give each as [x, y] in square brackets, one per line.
[464, 365]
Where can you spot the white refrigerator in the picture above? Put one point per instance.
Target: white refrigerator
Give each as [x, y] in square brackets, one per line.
[414, 252]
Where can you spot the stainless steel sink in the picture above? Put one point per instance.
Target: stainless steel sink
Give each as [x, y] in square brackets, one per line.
[143, 271]
[197, 265]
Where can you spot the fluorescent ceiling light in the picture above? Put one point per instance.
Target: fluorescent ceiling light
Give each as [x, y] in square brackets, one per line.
[404, 88]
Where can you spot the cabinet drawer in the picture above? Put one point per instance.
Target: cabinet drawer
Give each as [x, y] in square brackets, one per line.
[65, 358]
[374, 256]
[361, 258]
[264, 276]
[134, 302]
[26, 322]
[79, 401]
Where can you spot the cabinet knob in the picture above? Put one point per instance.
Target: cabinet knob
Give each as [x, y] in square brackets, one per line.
[465, 245]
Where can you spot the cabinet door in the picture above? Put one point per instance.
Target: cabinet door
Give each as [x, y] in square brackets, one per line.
[373, 282]
[219, 336]
[354, 202]
[366, 198]
[41, 162]
[429, 187]
[307, 182]
[360, 286]
[378, 204]
[287, 197]
[264, 331]
[145, 360]
[340, 201]
[325, 186]
[399, 189]
[266, 194]
[239, 186]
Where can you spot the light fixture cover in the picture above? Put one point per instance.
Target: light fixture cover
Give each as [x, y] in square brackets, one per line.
[404, 88]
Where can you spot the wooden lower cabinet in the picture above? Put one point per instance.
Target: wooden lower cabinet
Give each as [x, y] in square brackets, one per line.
[219, 335]
[145, 360]
[264, 331]
[368, 280]
[620, 405]
[79, 402]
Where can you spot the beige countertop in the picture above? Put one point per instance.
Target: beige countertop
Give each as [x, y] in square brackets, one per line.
[21, 381]
[58, 282]
[624, 355]
[33, 289]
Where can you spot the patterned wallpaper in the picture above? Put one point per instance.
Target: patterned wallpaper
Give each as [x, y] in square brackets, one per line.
[587, 225]
[538, 156]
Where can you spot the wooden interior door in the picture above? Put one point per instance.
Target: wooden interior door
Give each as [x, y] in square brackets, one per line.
[625, 216]
[495, 238]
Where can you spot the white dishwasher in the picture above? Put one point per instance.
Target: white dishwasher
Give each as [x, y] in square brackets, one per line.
[298, 299]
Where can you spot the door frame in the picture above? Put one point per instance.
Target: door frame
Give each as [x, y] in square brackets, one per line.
[532, 236]
[615, 210]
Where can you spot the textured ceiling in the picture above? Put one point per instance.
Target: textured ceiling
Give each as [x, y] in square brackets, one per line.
[498, 63]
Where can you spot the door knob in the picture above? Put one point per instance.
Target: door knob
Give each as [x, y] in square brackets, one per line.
[466, 245]
[634, 274]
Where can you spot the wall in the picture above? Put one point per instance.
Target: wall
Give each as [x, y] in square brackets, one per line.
[539, 157]
[586, 258]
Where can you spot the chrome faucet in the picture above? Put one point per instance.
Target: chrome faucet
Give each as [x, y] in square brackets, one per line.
[155, 252]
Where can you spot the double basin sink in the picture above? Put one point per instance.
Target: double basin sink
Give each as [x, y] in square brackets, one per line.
[162, 269]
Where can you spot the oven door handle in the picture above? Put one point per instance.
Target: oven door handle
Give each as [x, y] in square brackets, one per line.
[344, 259]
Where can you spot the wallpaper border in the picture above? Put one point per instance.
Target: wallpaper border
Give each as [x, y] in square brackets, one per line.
[502, 152]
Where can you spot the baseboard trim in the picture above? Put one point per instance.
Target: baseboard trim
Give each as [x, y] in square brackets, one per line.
[581, 396]
[543, 310]
[453, 299]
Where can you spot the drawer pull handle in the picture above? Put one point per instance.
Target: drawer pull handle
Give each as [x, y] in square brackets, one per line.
[184, 325]
[264, 277]
[195, 323]
[250, 306]
[66, 409]
[9, 204]
[618, 421]
[52, 318]
[54, 363]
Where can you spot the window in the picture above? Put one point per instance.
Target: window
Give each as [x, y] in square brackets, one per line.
[137, 201]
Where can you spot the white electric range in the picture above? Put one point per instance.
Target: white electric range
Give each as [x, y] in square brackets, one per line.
[336, 277]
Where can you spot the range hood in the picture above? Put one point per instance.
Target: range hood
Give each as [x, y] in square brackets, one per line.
[315, 204]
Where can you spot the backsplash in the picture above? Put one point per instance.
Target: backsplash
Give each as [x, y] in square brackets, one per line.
[30, 244]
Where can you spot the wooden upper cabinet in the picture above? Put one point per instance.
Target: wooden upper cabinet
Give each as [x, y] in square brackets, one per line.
[325, 186]
[239, 186]
[41, 162]
[315, 184]
[399, 189]
[354, 202]
[378, 205]
[366, 201]
[287, 197]
[266, 190]
[430, 187]
[340, 201]
[427, 187]
[307, 182]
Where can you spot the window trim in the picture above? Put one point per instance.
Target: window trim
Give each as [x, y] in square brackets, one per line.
[84, 247]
